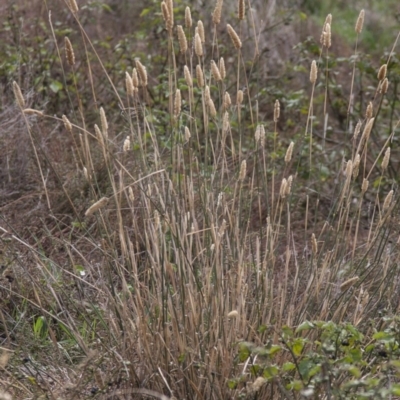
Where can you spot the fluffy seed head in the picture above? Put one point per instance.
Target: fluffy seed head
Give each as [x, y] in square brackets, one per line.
[215, 71]
[129, 84]
[104, 123]
[356, 166]
[364, 186]
[170, 6]
[243, 170]
[198, 47]
[313, 72]
[234, 37]
[199, 76]
[227, 100]
[73, 6]
[187, 133]
[327, 36]
[216, 17]
[135, 78]
[67, 123]
[289, 153]
[200, 30]
[349, 283]
[384, 86]
[349, 169]
[177, 103]
[258, 384]
[142, 73]
[386, 159]
[328, 20]
[31, 111]
[188, 76]
[257, 134]
[367, 129]
[239, 97]
[182, 39]
[314, 244]
[69, 52]
[360, 22]
[241, 9]
[289, 185]
[211, 107]
[207, 95]
[127, 144]
[225, 122]
[188, 18]
[222, 69]
[382, 72]
[96, 206]
[18, 95]
[388, 200]
[357, 130]
[283, 189]
[277, 111]
[166, 16]
[262, 135]
[233, 314]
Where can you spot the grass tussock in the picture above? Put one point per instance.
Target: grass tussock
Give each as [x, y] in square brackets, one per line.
[195, 242]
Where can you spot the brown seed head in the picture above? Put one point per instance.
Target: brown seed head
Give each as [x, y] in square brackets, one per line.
[187, 133]
[211, 107]
[360, 22]
[225, 122]
[328, 20]
[234, 37]
[349, 283]
[96, 206]
[188, 18]
[215, 71]
[216, 17]
[31, 111]
[314, 244]
[382, 72]
[313, 72]
[289, 153]
[384, 86]
[388, 200]
[241, 9]
[283, 189]
[327, 36]
[243, 170]
[127, 144]
[182, 39]
[370, 110]
[357, 130]
[73, 6]
[364, 186]
[135, 79]
[69, 52]
[356, 166]
[170, 6]
[18, 95]
[227, 100]
[104, 123]
[177, 103]
[239, 97]
[129, 84]
[166, 16]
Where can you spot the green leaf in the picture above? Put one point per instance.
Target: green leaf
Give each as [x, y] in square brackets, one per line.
[306, 325]
[287, 331]
[274, 349]
[232, 384]
[288, 366]
[298, 346]
[56, 86]
[271, 371]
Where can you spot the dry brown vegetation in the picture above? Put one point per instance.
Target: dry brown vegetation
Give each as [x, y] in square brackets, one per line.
[155, 220]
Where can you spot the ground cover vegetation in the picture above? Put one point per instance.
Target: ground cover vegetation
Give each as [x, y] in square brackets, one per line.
[203, 207]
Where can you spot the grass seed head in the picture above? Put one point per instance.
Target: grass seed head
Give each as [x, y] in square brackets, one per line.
[177, 103]
[314, 244]
[257, 384]
[129, 84]
[69, 52]
[18, 95]
[388, 200]
[386, 159]
[243, 170]
[188, 18]
[182, 39]
[327, 36]
[360, 22]
[233, 314]
[382, 72]
[73, 6]
[370, 110]
[200, 28]
[199, 76]
[67, 123]
[234, 37]
[222, 69]
[142, 73]
[31, 111]
[104, 123]
[328, 20]
[239, 97]
[289, 185]
[135, 78]
[289, 153]
[357, 130]
[211, 107]
[313, 72]
[364, 186]
[225, 122]
[227, 100]
[127, 144]
[241, 9]
[216, 16]
[283, 189]
[384, 86]
[170, 6]
[187, 133]
[97, 206]
[188, 76]
[277, 111]
[349, 283]
[215, 71]
[356, 166]
[198, 47]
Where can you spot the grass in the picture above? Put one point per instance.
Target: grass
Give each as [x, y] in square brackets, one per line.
[191, 237]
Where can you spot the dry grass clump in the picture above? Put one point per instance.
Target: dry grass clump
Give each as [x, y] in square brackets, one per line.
[201, 237]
